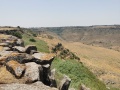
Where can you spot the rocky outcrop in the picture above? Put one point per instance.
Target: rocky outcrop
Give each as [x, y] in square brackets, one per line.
[83, 87]
[64, 85]
[20, 66]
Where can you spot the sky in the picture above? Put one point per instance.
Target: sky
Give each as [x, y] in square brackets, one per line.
[56, 13]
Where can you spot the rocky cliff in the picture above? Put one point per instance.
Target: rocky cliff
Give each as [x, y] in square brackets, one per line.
[24, 67]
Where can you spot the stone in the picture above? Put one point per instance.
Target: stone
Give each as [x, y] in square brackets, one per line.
[52, 78]
[19, 49]
[28, 48]
[6, 49]
[46, 72]
[4, 44]
[43, 58]
[6, 77]
[20, 42]
[65, 83]
[32, 73]
[5, 53]
[16, 68]
[34, 86]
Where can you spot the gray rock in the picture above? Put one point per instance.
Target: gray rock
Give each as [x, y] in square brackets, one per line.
[43, 58]
[15, 68]
[19, 42]
[29, 48]
[32, 73]
[65, 83]
[6, 49]
[19, 49]
[4, 44]
[52, 78]
[34, 86]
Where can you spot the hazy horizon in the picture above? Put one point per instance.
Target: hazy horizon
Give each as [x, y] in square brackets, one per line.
[44, 13]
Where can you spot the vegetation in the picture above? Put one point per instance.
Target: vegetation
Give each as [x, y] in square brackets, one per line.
[32, 40]
[17, 34]
[64, 53]
[78, 73]
[41, 45]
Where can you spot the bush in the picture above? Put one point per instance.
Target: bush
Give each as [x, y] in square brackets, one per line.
[32, 40]
[17, 34]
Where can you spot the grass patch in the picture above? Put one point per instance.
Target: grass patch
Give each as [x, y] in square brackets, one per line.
[41, 45]
[78, 74]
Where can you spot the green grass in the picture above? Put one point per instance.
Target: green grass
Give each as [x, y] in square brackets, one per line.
[41, 45]
[78, 74]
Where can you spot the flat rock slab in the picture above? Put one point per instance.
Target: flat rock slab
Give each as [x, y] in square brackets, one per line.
[16, 68]
[34, 86]
[19, 49]
[6, 77]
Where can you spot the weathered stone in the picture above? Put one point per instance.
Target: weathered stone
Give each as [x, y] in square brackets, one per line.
[6, 77]
[52, 78]
[5, 53]
[16, 68]
[46, 72]
[4, 44]
[65, 83]
[32, 73]
[34, 86]
[19, 49]
[43, 58]
[6, 49]
[28, 48]
[19, 42]
[20, 57]
[83, 87]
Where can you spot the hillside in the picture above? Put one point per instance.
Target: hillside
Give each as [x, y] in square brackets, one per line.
[107, 36]
[104, 63]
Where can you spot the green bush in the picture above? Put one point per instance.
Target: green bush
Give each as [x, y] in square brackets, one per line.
[16, 33]
[32, 40]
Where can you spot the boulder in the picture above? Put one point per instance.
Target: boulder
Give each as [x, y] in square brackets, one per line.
[34, 86]
[52, 79]
[19, 49]
[65, 83]
[6, 77]
[4, 44]
[6, 49]
[20, 42]
[5, 53]
[32, 73]
[43, 58]
[20, 57]
[16, 68]
[28, 48]
[46, 72]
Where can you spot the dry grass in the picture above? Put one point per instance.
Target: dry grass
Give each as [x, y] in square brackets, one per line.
[6, 28]
[1, 48]
[104, 63]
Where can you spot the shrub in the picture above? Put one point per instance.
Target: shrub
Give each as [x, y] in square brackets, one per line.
[32, 40]
[17, 34]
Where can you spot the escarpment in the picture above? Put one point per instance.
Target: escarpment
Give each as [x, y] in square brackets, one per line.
[23, 67]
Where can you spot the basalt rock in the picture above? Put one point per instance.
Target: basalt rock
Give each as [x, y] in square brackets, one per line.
[19, 49]
[29, 48]
[32, 73]
[65, 83]
[15, 68]
[43, 58]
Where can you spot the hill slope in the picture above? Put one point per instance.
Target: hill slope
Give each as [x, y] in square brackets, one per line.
[104, 36]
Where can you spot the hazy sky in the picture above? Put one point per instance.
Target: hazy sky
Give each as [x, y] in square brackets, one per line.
[42, 13]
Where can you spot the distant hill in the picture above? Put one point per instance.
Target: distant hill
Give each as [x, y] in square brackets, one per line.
[107, 36]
